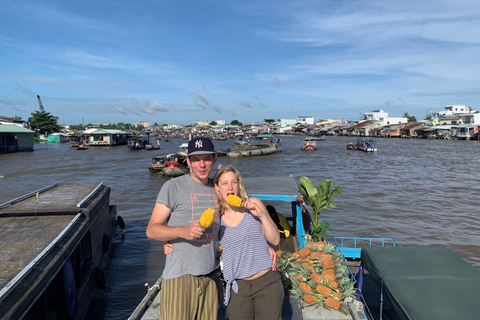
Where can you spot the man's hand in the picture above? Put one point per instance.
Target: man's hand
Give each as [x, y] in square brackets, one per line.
[192, 231]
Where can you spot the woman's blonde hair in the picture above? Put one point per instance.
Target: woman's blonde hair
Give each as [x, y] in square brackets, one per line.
[241, 188]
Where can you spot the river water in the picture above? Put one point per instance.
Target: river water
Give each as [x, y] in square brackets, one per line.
[420, 192]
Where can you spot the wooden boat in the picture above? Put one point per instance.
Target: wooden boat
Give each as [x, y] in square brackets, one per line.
[309, 145]
[151, 147]
[175, 165]
[73, 141]
[315, 137]
[183, 147]
[366, 146]
[55, 245]
[83, 146]
[352, 146]
[258, 149]
[281, 188]
[157, 165]
[240, 139]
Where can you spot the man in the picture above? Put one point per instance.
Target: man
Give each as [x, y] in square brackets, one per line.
[188, 292]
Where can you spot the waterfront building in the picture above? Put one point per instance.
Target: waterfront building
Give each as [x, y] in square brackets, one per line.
[104, 137]
[382, 117]
[15, 138]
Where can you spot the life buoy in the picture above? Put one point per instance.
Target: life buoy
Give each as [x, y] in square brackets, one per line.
[100, 278]
[228, 150]
[120, 222]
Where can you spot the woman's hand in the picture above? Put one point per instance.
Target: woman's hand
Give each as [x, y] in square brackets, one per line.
[254, 208]
[167, 248]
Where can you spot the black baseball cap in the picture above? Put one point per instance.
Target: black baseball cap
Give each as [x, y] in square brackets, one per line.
[200, 146]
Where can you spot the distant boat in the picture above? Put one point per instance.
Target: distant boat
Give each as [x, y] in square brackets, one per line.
[175, 165]
[258, 149]
[83, 146]
[157, 165]
[309, 145]
[367, 146]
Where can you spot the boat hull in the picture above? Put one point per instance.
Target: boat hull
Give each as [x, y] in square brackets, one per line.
[254, 150]
[60, 237]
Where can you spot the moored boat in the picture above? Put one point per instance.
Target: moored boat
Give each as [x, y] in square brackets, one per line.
[55, 244]
[257, 149]
[175, 165]
[396, 282]
[157, 165]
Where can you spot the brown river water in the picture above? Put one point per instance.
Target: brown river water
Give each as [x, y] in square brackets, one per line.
[420, 192]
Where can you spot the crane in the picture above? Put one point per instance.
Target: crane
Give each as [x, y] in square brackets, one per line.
[40, 103]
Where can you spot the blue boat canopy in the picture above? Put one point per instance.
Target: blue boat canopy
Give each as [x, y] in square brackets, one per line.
[425, 283]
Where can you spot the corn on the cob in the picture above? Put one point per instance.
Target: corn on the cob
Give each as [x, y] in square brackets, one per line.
[207, 217]
[234, 200]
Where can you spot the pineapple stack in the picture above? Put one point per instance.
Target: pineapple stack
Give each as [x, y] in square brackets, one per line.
[318, 276]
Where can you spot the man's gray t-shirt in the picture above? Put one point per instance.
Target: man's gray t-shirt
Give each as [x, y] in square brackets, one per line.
[187, 200]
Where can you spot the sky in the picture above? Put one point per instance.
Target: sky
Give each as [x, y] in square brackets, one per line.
[177, 62]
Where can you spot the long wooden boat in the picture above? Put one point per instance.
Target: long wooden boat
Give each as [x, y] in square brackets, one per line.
[258, 149]
[54, 247]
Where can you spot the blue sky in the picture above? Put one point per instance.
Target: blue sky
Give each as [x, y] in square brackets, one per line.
[181, 61]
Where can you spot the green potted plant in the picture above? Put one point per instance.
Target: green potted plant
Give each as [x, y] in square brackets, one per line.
[318, 199]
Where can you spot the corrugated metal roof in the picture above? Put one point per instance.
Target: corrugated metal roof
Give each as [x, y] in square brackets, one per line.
[12, 128]
[103, 131]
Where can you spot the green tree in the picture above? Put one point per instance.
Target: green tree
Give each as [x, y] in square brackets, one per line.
[44, 122]
[409, 118]
[213, 123]
[236, 123]
[269, 120]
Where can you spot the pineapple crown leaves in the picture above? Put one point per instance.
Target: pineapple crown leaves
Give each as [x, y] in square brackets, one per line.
[329, 248]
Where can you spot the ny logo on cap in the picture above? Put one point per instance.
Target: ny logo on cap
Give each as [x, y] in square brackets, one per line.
[198, 144]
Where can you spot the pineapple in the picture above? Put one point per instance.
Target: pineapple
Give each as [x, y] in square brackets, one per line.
[207, 217]
[234, 200]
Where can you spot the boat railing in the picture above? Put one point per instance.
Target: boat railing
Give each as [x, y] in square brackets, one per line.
[351, 247]
[81, 203]
[26, 196]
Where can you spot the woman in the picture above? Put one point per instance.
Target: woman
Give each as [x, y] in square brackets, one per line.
[253, 289]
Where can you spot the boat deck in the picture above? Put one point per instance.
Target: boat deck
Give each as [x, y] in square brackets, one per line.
[29, 226]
